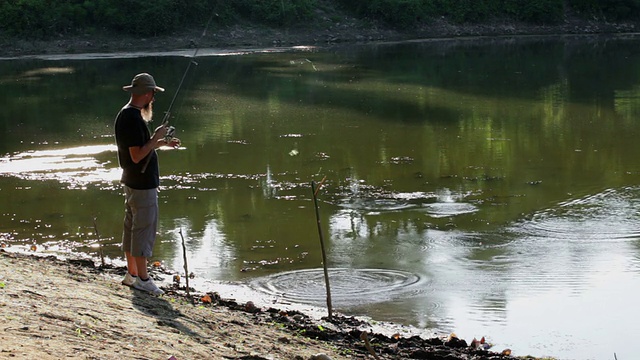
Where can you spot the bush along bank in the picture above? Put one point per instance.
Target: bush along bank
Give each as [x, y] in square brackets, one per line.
[43, 19]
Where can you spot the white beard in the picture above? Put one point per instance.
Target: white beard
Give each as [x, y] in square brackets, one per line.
[147, 112]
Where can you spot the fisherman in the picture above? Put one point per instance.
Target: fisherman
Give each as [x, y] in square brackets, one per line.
[140, 178]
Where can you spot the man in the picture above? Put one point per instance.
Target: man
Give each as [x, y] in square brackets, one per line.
[140, 175]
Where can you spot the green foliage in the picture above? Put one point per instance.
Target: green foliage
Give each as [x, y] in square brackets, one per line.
[406, 13]
[25, 17]
[534, 11]
[275, 12]
[47, 18]
[466, 10]
[608, 9]
[402, 13]
[154, 18]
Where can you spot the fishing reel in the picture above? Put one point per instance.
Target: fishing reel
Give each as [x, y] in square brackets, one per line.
[170, 131]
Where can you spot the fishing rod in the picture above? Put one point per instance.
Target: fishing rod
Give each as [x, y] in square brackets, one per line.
[165, 121]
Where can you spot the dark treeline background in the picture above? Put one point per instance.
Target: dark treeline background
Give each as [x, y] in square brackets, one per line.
[46, 18]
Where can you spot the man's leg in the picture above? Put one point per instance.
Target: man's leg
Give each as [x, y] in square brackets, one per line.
[141, 265]
[132, 266]
[127, 232]
[141, 224]
[144, 282]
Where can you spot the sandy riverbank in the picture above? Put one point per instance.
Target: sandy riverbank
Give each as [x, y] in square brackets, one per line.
[53, 309]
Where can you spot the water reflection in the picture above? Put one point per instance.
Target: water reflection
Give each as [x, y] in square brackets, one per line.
[504, 172]
[77, 166]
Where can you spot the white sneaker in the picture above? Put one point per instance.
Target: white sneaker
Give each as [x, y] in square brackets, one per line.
[147, 286]
[129, 279]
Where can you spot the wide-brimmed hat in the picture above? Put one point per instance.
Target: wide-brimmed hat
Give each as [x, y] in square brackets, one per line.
[141, 84]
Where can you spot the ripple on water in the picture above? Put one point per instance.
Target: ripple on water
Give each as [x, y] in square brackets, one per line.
[567, 248]
[446, 209]
[349, 287]
[604, 217]
[376, 204]
[444, 204]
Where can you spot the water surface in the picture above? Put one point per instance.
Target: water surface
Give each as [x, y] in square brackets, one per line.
[482, 187]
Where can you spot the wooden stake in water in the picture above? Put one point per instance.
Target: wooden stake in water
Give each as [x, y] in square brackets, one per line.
[95, 227]
[324, 255]
[186, 266]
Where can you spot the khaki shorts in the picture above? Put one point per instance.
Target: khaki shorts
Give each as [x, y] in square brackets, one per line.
[140, 221]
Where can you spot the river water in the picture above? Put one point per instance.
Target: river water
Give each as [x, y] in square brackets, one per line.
[487, 187]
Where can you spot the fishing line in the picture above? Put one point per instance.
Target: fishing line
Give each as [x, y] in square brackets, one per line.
[191, 62]
[165, 120]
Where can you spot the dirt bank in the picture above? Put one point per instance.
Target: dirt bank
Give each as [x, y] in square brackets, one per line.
[54, 309]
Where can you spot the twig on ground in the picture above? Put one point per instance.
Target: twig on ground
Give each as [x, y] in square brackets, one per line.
[364, 337]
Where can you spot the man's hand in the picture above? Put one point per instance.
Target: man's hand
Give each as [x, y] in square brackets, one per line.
[174, 143]
[159, 133]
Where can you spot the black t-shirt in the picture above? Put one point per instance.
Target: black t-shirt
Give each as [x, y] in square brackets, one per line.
[131, 130]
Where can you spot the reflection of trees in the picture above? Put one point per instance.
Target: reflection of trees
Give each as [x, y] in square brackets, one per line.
[74, 101]
[515, 126]
[351, 80]
[446, 88]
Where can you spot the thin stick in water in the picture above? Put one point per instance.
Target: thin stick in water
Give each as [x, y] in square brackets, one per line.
[95, 227]
[324, 255]
[186, 266]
